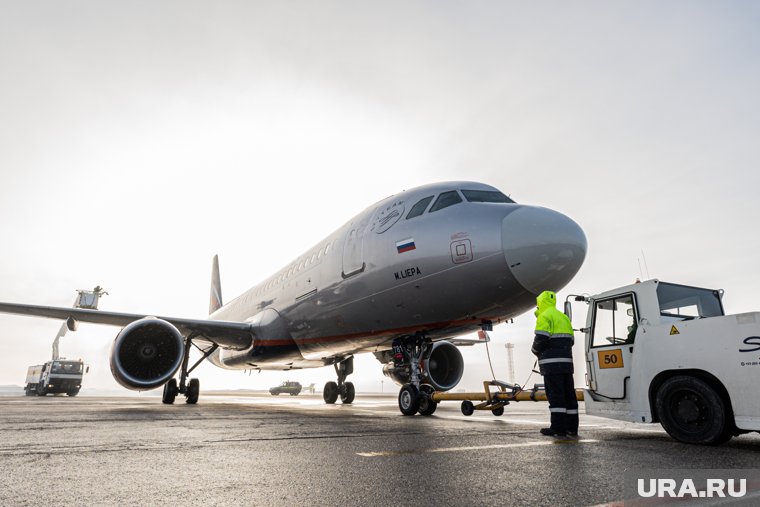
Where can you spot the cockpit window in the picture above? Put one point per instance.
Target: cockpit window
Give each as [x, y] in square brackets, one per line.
[445, 200]
[486, 196]
[419, 208]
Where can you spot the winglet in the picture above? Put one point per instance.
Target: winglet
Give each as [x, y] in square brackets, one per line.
[215, 301]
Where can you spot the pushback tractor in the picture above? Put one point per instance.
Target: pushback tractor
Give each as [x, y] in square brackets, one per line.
[667, 353]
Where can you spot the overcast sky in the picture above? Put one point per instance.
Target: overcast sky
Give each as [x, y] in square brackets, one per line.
[138, 139]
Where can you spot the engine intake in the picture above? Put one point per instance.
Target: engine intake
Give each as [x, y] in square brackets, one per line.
[443, 369]
[146, 354]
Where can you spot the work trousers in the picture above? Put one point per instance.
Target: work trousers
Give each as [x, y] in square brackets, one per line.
[560, 390]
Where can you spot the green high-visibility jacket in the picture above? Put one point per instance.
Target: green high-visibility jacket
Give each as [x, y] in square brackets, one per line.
[554, 339]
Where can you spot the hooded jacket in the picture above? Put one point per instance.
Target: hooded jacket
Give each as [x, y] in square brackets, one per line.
[554, 339]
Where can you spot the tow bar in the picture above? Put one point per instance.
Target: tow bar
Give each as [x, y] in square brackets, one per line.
[495, 401]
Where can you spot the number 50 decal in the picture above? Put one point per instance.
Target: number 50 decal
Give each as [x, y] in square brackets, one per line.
[610, 358]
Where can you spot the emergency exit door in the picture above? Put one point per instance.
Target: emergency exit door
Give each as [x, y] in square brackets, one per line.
[609, 349]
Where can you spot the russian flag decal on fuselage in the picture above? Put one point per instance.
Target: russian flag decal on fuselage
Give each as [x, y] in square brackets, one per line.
[405, 245]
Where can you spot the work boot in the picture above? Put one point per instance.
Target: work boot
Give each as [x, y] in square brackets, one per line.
[551, 432]
[573, 434]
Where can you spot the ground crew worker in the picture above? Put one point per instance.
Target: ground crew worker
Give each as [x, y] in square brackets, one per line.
[553, 345]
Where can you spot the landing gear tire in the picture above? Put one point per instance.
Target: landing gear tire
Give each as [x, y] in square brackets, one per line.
[193, 391]
[467, 408]
[498, 411]
[409, 399]
[170, 392]
[427, 405]
[691, 411]
[330, 393]
[348, 393]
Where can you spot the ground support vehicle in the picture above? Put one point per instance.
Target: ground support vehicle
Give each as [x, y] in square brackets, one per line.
[288, 387]
[55, 377]
[667, 353]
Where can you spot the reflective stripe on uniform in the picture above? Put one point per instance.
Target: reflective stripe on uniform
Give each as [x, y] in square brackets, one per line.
[543, 333]
[556, 360]
[559, 410]
[562, 335]
[572, 412]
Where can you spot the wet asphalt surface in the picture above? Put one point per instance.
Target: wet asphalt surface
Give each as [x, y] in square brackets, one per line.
[235, 449]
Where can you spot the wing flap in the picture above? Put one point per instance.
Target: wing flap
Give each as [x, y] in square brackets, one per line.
[234, 335]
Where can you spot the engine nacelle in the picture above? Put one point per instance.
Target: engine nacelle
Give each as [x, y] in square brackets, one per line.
[146, 354]
[443, 369]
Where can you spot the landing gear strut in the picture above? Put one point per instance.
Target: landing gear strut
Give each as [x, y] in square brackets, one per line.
[342, 388]
[190, 389]
[414, 396]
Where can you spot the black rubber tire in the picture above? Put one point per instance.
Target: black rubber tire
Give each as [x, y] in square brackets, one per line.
[498, 411]
[427, 405]
[409, 399]
[170, 392]
[193, 391]
[73, 392]
[468, 408]
[348, 393]
[691, 411]
[41, 390]
[330, 393]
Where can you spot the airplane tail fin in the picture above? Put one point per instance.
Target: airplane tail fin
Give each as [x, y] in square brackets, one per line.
[215, 301]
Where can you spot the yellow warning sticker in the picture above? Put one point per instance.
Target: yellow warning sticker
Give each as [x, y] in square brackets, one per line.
[674, 330]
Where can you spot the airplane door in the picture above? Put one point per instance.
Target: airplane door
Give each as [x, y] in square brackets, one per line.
[609, 349]
[353, 251]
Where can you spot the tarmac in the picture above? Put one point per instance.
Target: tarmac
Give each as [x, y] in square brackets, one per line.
[256, 449]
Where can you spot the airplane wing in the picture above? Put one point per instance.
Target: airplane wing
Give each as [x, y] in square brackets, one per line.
[236, 335]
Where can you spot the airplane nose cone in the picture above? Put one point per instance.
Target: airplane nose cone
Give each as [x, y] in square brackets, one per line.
[544, 249]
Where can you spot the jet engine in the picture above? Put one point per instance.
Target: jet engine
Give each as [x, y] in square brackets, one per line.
[146, 354]
[442, 369]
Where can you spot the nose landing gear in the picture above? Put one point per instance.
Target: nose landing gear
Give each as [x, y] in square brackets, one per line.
[414, 397]
[342, 388]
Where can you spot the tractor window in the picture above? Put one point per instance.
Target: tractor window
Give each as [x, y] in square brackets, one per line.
[683, 303]
[614, 321]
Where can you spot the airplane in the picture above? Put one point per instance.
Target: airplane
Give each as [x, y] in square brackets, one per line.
[402, 280]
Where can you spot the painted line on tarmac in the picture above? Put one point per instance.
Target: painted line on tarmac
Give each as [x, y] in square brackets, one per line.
[477, 447]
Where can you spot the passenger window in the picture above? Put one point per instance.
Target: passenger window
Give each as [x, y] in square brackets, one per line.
[445, 200]
[419, 208]
[614, 321]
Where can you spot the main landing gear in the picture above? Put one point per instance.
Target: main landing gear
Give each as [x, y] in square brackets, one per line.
[414, 397]
[342, 388]
[190, 388]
